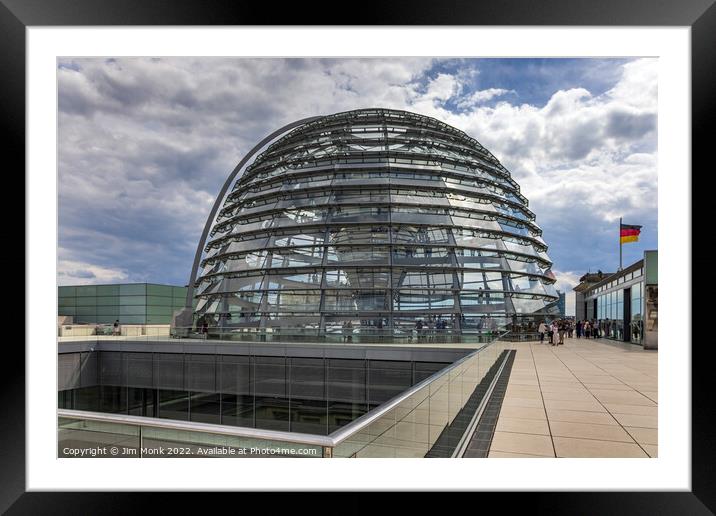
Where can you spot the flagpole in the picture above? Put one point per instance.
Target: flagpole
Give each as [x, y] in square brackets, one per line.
[620, 244]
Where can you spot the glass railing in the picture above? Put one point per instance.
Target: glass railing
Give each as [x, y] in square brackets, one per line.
[92, 434]
[409, 425]
[412, 423]
[362, 335]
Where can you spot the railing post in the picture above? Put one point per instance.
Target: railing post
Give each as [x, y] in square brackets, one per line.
[327, 452]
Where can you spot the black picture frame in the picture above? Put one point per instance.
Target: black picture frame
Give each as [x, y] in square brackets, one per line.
[699, 15]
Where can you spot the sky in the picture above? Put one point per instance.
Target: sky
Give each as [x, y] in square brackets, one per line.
[145, 145]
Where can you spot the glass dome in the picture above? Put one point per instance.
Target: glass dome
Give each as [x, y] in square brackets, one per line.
[374, 223]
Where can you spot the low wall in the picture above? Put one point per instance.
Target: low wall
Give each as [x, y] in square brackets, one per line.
[126, 330]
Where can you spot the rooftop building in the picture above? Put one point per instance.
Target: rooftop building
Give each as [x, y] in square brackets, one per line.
[624, 303]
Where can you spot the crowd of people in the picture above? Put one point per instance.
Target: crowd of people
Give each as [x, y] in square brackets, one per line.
[555, 331]
[558, 329]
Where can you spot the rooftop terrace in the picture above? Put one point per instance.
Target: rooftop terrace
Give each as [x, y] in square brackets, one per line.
[587, 398]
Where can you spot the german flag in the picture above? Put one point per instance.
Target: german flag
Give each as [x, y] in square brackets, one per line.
[629, 233]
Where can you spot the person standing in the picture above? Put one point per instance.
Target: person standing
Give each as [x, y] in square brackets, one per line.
[115, 328]
[344, 331]
[579, 329]
[349, 327]
[562, 328]
[541, 330]
[550, 333]
[570, 329]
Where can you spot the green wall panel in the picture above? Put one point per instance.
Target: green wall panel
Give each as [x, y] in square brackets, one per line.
[86, 310]
[107, 290]
[135, 289]
[66, 291]
[159, 290]
[159, 310]
[132, 319]
[159, 301]
[158, 319]
[112, 311]
[87, 290]
[132, 310]
[132, 300]
[108, 301]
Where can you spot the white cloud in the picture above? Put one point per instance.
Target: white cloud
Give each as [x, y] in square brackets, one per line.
[481, 96]
[81, 273]
[442, 88]
[566, 280]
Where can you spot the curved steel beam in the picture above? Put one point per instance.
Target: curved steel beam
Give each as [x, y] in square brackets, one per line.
[220, 199]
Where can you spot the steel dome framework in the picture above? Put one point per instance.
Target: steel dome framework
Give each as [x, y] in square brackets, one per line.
[378, 217]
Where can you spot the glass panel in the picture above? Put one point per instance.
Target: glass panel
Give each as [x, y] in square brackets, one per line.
[357, 255]
[422, 256]
[237, 403]
[418, 424]
[308, 402]
[355, 301]
[420, 235]
[242, 262]
[91, 437]
[298, 301]
[200, 444]
[407, 300]
[421, 280]
[308, 279]
[362, 235]
[173, 404]
[297, 257]
[360, 214]
[357, 278]
[481, 281]
[272, 406]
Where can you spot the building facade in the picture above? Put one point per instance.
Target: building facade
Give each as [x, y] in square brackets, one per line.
[585, 283]
[130, 303]
[625, 303]
[374, 222]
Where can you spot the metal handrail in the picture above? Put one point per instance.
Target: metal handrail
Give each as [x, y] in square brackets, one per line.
[329, 441]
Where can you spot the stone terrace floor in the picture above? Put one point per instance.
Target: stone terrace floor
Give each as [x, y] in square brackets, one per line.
[587, 398]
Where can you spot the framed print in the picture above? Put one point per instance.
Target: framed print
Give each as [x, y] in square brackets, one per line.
[431, 235]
